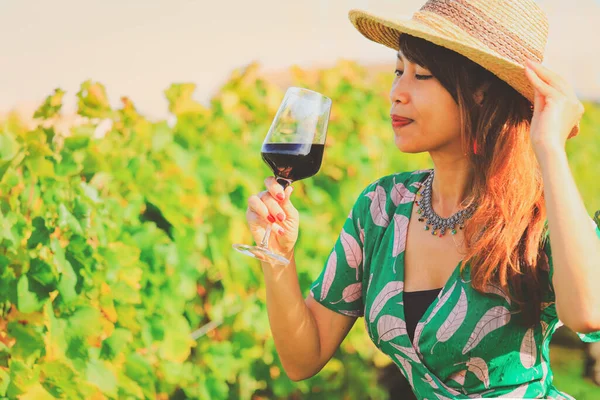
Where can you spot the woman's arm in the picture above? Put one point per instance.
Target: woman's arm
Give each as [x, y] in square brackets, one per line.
[575, 246]
[306, 334]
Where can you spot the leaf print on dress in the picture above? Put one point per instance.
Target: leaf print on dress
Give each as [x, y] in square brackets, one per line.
[400, 231]
[459, 377]
[528, 349]
[440, 303]
[492, 288]
[544, 371]
[546, 305]
[417, 335]
[407, 367]
[421, 325]
[389, 327]
[400, 194]
[378, 212]
[429, 380]
[479, 367]
[420, 171]
[544, 329]
[409, 352]
[311, 291]
[352, 313]
[329, 274]
[390, 290]
[369, 283]
[518, 393]
[454, 320]
[361, 235]
[493, 319]
[352, 251]
[351, 293]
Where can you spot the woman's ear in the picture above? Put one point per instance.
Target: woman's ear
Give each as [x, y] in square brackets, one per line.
[480, 93]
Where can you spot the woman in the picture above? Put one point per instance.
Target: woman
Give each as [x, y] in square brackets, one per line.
[462, 272]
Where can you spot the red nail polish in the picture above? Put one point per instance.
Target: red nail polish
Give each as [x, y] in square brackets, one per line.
[271, 219]
[281, 232]
[281, 216]
[280, 196]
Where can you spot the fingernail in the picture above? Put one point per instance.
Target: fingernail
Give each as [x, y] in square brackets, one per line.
[271, 219]
[280, 196]
[281, 216]
[281, 232]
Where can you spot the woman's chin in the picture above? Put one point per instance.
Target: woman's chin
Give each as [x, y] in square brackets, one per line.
[405, 146]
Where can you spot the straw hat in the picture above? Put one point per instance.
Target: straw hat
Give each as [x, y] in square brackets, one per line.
[499, 35]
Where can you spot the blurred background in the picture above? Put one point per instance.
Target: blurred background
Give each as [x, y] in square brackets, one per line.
[130, 136]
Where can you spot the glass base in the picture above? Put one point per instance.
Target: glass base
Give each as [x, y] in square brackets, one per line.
[261, 254]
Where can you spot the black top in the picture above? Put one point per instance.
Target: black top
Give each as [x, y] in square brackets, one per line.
[415, 305]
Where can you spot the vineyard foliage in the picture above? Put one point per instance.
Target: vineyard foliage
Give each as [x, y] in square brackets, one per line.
[117, 276]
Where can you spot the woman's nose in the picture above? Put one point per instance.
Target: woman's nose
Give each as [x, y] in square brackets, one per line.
[399, 94]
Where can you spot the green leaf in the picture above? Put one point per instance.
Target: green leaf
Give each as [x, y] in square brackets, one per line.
[51, 105]
[177, 342]
[140, 371]
[8, 281]
[69, 165]
[22, 377]
[43, 273]
[124, 294]
[93, 101]
[116, 343]
[60, 379]
[40, 166]
[162, 136]
[28, 297]
[85, 322]
[29, 345]
[91, 192]
[67, 222]
[100, 375]
[77, 142]
[37, 392]
[180, 99]
[68, 279]
[40, 233]
[8, 147]
[4, 381]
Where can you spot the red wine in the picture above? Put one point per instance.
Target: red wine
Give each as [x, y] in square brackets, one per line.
[293, 161]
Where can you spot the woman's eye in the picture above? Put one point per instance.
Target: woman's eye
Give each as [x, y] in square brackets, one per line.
[419, 77]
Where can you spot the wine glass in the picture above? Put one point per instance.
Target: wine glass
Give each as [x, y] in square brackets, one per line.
[293, 148]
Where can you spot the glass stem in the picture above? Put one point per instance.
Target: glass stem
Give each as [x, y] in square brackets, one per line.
[265, 242]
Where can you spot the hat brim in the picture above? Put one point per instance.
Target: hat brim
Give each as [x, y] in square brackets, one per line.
[388, 31]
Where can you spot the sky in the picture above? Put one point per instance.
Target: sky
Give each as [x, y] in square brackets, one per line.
[138, 48]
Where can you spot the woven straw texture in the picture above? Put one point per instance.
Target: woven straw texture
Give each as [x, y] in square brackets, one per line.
[499, 35]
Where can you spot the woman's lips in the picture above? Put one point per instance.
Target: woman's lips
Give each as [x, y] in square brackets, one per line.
[399, 122]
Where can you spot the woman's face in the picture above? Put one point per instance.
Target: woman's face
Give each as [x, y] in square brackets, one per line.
[417, 95]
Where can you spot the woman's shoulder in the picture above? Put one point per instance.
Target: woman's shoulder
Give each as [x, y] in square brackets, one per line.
[382, 196]
[391, 181]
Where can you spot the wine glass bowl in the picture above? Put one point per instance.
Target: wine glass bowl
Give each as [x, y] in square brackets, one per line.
[293, 149]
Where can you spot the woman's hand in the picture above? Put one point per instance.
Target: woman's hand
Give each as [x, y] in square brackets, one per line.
[274, 206]
[556, 111]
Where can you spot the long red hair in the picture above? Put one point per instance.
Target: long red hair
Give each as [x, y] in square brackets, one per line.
[507, 186]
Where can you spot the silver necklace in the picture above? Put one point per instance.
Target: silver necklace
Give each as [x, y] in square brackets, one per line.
[435, 221]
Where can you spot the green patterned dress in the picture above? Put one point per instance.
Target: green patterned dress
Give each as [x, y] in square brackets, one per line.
[467, 344]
